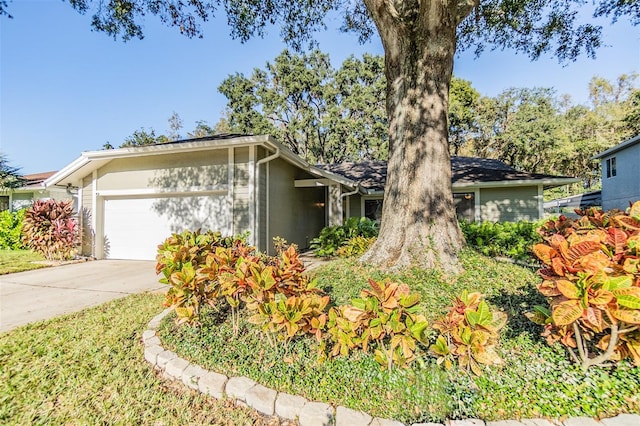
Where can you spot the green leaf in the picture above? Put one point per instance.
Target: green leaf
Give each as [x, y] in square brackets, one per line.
[628, 297]
[481, 316]
[622, 281]
[440, 347]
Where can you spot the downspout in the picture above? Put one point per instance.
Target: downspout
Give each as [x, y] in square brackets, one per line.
[354, 192]
[257, 190]
[348, 194]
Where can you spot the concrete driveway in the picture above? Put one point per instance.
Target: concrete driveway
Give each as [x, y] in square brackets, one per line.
[45, 293]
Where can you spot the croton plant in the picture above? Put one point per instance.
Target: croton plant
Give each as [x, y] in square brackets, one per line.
[50, 228]
[591, 279]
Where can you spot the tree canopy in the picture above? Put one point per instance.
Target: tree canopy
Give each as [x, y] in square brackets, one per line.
[322, 114]
[420, 39]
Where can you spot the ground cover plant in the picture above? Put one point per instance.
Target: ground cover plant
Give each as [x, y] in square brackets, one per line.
[423, 391]
[88, 368]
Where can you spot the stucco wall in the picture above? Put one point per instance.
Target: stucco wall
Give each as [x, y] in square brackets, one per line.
[294, 213]
[618, 190]
[509, 204]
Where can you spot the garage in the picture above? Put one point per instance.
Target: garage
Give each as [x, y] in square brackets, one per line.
[133, 227]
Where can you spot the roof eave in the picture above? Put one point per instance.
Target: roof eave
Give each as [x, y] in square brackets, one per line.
[92, 160]
[547, 182]
[334, 177]
[617, 148]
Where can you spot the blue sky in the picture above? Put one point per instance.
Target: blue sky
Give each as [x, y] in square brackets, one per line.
[65, 89]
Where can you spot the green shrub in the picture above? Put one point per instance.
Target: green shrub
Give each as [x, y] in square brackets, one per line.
[11, 229]
[331, 238]
[50, 228]
[513, 240]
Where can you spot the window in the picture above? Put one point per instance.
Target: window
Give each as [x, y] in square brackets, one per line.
[373, 209]
[4, 202]
[611, 167]
[465, 204]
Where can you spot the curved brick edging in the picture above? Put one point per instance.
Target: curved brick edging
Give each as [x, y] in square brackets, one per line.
[308, 413]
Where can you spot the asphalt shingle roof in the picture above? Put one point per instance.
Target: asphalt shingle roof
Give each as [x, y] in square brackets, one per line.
[465, 170]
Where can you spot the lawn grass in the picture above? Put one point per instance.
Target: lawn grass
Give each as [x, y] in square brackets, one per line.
[535, 380]
[19, 260]
[88, 368]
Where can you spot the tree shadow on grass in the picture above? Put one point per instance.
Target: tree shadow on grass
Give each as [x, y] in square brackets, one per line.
[515, 303]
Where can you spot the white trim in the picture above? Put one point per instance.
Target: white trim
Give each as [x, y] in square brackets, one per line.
[161, 192]
[81, 219]
[266, 220]
[91, 160]
[522, 182]
[94, 204]
[368, 197]
[231, 190]
[311, 183]
[252, 194]
[478, 212]
[621, 146]
[540, 202]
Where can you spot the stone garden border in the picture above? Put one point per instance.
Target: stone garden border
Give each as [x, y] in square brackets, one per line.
[267, 401]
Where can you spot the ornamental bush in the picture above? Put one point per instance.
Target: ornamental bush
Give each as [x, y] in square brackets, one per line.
[591, 279]
[50, 228]
[332, 238]
[11, 229]
[276, 295]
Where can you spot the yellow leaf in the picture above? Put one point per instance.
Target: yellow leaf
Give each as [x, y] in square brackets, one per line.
[567, 312]
[631, 316]
[568, 289]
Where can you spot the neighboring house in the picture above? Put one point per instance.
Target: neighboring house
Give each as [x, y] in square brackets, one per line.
[34, 189]
[620, 174]
[131, 199]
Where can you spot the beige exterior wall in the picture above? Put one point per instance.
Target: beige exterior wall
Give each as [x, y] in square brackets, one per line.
[509, 204]
[295, 214]
[86, 225]
[191, 173]
[240, 193]
[355, 208]
[197, 171]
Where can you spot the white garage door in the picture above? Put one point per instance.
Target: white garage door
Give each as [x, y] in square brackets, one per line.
[133, 227]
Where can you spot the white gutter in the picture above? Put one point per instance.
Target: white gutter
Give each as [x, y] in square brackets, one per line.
[66, 171]
[256, 185]
[354, 192]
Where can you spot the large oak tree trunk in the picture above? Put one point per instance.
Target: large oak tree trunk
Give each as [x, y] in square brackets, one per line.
[419, 224]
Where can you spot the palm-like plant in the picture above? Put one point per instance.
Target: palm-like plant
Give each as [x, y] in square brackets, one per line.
[9, 176]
